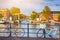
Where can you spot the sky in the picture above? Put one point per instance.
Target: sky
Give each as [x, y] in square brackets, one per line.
[27, 6]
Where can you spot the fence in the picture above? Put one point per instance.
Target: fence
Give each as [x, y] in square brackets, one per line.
[26, 30]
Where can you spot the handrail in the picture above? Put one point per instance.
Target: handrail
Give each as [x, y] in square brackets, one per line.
[28, 29]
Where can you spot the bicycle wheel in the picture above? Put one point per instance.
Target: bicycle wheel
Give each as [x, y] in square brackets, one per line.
[39, 34]
[19, 32]
[52, 33]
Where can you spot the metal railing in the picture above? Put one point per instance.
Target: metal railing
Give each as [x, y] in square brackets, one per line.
[22, 31]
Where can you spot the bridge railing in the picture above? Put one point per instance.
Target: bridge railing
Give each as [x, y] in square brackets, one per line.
[28, 30]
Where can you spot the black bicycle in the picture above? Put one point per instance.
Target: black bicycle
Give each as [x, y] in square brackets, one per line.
[16, 31]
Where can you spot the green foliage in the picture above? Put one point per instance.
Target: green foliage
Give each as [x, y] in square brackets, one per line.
[1, 15]
[22, 16]
[46, 12]
[59, 17]
[15, 17]
[14, 10]
[33, 15]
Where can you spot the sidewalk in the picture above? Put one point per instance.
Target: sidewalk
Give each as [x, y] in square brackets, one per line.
[15, 38]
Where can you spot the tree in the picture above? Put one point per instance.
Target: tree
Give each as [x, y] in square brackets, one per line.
[47, 13]
[1, 15]
[59, 17]
[16, 17]
[22, 16]
[33, 15]
[14, 10]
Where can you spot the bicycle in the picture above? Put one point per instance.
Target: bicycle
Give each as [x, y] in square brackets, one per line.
[49, 32]
[16, 30]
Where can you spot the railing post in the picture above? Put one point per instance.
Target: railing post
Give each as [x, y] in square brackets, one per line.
[59, 33]
[44, 33]
[28, 30]
[10, 30]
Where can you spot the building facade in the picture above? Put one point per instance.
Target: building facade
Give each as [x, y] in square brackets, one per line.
[5, 13]
[54, 15]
